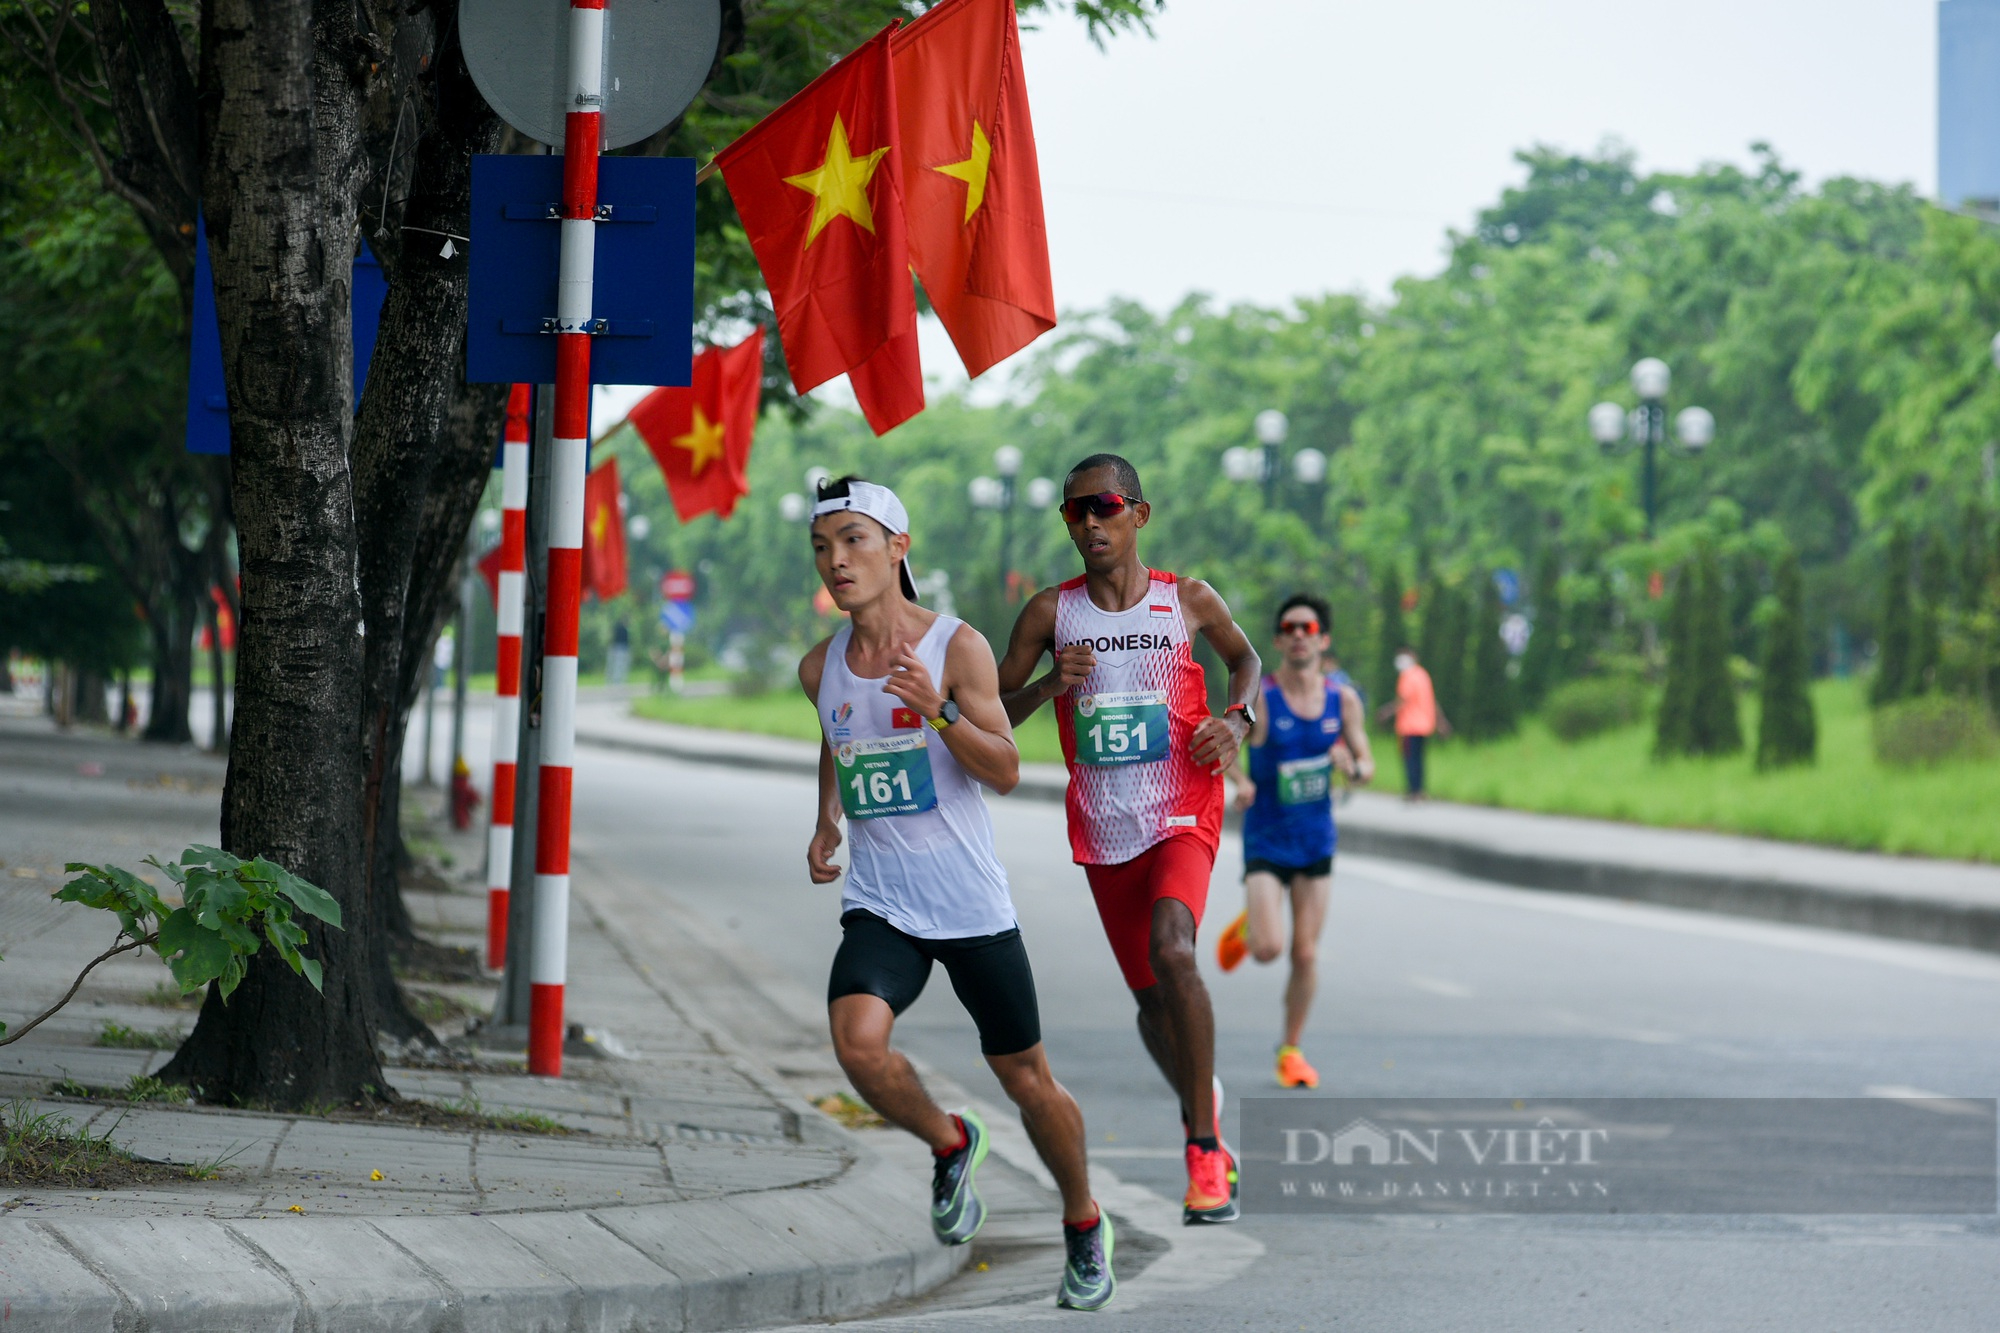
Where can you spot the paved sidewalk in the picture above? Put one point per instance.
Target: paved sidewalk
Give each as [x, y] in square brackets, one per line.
[694, 1188]
[1935, 901]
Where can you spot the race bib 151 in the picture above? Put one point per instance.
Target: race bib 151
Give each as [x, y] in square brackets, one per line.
[1128, 728]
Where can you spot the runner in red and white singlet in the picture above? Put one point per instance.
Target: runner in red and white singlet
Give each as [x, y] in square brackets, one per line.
[1146, 760]
[1128, 730]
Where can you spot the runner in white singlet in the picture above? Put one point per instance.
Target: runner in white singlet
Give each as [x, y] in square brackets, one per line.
[1145, 790]
[911, 724]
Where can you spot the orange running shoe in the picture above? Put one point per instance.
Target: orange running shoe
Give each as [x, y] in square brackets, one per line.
[1234, 945]
[1211, 1198]
[1293, 1071]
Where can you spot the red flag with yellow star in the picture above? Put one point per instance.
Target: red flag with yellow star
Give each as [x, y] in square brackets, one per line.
[701, 435]
[603, 533]
[818, 185]
[971, 184]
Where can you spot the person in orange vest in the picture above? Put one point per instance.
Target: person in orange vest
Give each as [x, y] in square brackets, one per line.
[1418, 718]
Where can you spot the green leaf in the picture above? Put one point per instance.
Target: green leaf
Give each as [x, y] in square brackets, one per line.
[310, 898]
[215, 899]
[310, 968]
[194, 954]
[232, 975]
[215, 857]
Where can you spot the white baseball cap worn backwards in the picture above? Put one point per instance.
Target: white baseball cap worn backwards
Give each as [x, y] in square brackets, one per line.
[879, 503]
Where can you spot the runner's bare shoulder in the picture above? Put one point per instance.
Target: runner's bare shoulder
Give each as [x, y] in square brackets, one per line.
[811, 667]
[1201, 605]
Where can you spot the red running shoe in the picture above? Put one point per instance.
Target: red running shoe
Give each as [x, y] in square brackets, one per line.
[1234, 945]
[1211, 1194]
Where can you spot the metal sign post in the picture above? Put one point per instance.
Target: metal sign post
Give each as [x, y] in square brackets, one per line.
[511, 1011]
[507, 670]
[548, 960]
[547, 71]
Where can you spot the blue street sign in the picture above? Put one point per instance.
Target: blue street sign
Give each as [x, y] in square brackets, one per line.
[678, 617]
[208, 398]
[1508, 584]
[642, 291]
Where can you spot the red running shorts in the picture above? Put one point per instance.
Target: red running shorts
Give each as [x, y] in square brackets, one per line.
[1178, 868]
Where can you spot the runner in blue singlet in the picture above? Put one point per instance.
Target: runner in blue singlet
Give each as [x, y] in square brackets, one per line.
[1309, 725]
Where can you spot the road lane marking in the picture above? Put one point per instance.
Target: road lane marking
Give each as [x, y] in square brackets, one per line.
[1935, 959]
[1439, 986]
[1926, 1101]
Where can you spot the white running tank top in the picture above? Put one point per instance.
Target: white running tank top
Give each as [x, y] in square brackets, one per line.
[1127, 728]
[932, 872]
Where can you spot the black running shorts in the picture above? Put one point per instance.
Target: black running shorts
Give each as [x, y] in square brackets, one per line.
[989, 973]
[1286, 874]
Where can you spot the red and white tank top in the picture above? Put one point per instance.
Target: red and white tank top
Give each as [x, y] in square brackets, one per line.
[1127, 727]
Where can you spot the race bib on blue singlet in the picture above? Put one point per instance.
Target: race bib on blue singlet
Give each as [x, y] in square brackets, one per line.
[1126, 728]
[888, 775]
[1304, 781]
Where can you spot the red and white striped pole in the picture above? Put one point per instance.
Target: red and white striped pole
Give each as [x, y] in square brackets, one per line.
[548, 964]
[507, 672]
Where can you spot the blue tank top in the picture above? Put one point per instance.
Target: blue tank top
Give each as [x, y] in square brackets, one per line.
[1291, 821]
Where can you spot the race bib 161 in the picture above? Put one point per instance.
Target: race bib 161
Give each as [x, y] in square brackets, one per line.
[888, 775]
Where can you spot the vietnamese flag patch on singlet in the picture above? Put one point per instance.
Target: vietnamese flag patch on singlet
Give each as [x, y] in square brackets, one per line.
[902, 719]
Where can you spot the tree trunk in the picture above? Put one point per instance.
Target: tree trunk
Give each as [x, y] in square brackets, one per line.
[280, 85]
[412, 439]
[90, 705]
[169, 626]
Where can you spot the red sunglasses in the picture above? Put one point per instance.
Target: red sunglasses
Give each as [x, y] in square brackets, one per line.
[1104, 504]
[1305, 627]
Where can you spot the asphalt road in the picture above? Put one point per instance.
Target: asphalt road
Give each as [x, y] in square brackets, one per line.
[1432, 986]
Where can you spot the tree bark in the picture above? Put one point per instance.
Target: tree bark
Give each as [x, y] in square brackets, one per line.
[281, 88]
[408, 445]
[170, 627]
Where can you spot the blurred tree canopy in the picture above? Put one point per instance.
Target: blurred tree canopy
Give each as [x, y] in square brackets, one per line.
[1840, 335]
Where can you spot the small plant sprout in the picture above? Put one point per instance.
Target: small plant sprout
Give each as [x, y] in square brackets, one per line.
[229, 909]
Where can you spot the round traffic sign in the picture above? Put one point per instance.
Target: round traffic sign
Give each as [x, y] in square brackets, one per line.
[677, 585]
[657, 54]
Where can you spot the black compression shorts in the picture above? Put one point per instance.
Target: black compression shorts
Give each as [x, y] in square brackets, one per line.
[1286, 874]
[989, 973]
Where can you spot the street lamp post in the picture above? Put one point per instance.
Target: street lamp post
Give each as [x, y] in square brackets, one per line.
[1263, 464]
[998, 493]
[1646, 427]
[1007, 462]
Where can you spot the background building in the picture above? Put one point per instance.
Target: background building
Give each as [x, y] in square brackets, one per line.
[1969, 104]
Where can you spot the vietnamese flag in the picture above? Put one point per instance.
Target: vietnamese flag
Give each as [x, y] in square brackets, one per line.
[700, 435]
[603, 533]
[971, 184]
[489, 569]
[818, 185]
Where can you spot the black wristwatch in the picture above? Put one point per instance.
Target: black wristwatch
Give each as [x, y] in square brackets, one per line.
[1249, 715]
[946, 715]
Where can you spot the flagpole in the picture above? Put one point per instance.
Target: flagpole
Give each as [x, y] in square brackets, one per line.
[582, 138]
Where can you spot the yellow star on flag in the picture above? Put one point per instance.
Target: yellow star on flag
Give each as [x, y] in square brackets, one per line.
[598, 522]
[839, 184]
[972, 170]
[703, 440]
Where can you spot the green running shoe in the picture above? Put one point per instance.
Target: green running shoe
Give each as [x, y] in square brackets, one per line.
[957, 1211]
[1088, 1282]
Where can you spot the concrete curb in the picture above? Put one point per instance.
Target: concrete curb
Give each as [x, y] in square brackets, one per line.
[1867, 902]
[784, 1256]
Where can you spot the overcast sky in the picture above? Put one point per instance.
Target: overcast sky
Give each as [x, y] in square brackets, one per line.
[1258, 150]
